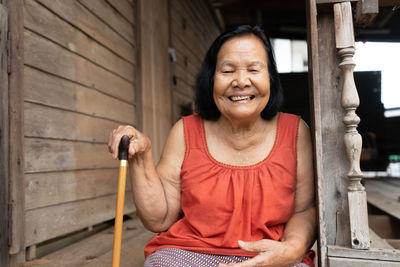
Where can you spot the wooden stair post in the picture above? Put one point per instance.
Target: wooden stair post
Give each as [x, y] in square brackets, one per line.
[352, 139]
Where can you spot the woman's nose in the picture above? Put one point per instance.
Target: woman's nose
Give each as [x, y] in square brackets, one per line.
[241, 80]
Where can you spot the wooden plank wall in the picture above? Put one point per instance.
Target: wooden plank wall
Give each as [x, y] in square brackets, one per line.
[79, 83]
[192, 30]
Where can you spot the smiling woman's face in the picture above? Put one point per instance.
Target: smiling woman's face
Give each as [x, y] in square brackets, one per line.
[241, 80]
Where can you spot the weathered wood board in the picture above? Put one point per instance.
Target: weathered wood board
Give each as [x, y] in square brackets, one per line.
[384, 194]
[36, 18]
[3, 138]
[52, 91]
[76, 14]
[53, 188]
[51, 58]
[52, 221]
[96, 250]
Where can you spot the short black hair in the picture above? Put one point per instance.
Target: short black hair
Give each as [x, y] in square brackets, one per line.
[205, 105]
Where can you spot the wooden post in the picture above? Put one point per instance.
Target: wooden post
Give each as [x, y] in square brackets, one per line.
[154, 67]
[3, 138]
[352, 139]
[16, 132]
[366, 12]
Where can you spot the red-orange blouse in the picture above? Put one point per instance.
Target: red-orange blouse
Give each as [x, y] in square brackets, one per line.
[222, 203]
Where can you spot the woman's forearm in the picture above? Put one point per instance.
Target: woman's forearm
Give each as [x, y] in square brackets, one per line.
[300, 231]
[148, 192]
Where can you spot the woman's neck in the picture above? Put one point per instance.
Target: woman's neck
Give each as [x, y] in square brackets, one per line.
[243, 134]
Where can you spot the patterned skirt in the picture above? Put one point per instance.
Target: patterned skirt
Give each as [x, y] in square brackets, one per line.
[178, 257]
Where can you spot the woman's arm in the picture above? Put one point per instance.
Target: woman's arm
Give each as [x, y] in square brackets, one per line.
[299, 233]
[156, 190]
[301, 228]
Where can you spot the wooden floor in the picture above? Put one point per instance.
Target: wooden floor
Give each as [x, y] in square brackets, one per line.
[384, 194]
[96, 250]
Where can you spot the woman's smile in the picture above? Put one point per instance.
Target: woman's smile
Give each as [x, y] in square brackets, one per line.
[241, 98]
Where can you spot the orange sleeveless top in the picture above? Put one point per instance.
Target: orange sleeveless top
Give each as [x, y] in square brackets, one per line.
[222, 203]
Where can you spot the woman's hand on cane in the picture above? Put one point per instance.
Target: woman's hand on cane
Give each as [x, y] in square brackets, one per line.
[139, 143]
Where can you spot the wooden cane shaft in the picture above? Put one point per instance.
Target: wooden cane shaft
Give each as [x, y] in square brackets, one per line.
[119, 213]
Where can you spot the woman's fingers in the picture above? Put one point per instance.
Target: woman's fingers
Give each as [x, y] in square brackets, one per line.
[271, 253]
[259, 246]
[116, 136]
[138, 142]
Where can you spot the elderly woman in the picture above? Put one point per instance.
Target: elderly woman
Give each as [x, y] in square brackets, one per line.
[234, 186]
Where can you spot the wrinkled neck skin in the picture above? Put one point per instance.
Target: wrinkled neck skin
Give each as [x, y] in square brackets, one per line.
[242, 134]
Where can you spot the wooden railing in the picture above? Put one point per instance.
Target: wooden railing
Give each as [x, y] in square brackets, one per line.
[352, 139]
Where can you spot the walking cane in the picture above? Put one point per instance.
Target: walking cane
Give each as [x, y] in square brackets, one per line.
[119, 212]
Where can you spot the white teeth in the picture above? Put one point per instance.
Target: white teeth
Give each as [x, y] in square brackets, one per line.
[238, 98]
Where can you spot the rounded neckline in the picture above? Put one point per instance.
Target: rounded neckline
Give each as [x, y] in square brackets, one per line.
[226, 165]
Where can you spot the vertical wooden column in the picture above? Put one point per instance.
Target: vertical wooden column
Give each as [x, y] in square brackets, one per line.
[352, 139]
[3, 137]
[16, 176]
[154, 78]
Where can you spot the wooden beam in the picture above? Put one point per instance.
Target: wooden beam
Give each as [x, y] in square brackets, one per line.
[315, 111]
[384, 3]
[366, 11]
[16, 130]
[334, 1]
[3, 137]
[342, 262]
[372, 254]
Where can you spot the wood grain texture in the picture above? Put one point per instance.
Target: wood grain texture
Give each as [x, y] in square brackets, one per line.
[3, 137]
[341, 262]
[16, 129]
[372, 254]
[53, 91]
[315, 111]
[344, 33]
[109, 16]
[366, 11]
[47, 56]
[54, 188]
[76, 14]
[96, 250]
[72, 216]
[46, 122]
[155, 75]
[384, 196]
[179, 101]
[334, 1]
[352, 139]
[124, 8]
[331, 157]
[43, 21]
[378, 242]
[45, 155]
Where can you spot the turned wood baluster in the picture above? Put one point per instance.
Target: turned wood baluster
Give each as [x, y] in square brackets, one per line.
[352, 139]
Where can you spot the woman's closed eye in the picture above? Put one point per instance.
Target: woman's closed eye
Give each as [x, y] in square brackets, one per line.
[227, 71]
[254, 70]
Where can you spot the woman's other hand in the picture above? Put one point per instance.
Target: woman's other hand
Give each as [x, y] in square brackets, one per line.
[139, 143]
[271, 253]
